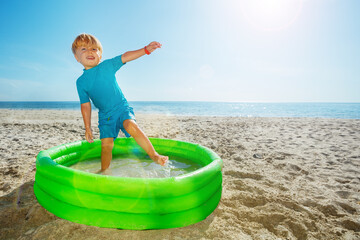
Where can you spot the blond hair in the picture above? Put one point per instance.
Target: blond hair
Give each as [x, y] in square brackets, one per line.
[85, 39]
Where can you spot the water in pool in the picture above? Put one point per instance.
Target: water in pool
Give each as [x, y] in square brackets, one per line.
[139, 167]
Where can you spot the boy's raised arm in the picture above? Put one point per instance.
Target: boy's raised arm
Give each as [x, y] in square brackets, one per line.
[86, 114]
[132, 55]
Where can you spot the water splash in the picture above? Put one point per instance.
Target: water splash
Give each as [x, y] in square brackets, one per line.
[139, 168]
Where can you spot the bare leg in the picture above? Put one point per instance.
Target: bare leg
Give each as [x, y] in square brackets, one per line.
[107, 145]
[133, 129]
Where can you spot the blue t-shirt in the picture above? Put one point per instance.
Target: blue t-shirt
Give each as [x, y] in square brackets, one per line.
[99, 84]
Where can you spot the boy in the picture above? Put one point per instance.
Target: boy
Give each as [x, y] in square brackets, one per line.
[98, 83]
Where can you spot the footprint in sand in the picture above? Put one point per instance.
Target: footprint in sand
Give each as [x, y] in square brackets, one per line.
[343, 194]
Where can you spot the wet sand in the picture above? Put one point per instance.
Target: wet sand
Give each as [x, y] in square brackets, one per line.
[283, 178]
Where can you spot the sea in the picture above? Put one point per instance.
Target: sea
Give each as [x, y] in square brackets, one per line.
[230, 109]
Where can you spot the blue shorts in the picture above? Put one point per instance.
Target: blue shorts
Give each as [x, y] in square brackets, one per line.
[110, 127]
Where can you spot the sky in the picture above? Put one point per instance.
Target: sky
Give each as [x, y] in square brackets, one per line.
[212, 50]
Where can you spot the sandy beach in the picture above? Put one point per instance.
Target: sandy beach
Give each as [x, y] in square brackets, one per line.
[283, 178]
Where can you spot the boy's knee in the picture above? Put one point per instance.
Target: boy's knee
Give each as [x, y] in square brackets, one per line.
[130, 125]
[107, 145]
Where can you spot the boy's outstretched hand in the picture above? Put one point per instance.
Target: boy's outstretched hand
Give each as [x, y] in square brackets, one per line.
[88, 136]
[132, 55]
[153, 46]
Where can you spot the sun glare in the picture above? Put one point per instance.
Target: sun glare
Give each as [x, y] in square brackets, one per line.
[271, 15]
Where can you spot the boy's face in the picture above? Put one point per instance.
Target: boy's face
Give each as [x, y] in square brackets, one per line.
[88, 56]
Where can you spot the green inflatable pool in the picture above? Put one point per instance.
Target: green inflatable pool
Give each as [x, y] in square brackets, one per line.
[128, 203]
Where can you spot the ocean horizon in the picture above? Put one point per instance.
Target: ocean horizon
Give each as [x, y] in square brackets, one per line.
[229, 109]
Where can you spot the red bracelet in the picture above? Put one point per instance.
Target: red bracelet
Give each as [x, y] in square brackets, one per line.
[146, 51]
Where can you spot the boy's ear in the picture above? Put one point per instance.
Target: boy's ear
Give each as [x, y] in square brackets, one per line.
[77, 59]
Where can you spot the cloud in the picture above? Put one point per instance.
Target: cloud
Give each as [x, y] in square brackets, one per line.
[14, 83]
[14, 89]
[282, 71]
[38, 67]
[275, 69]
[206, 71]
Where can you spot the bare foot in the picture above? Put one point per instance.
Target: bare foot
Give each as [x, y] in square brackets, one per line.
[160, 159]
[104, 172]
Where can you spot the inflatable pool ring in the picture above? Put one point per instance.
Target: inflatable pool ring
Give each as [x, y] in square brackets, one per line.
[124, 202]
